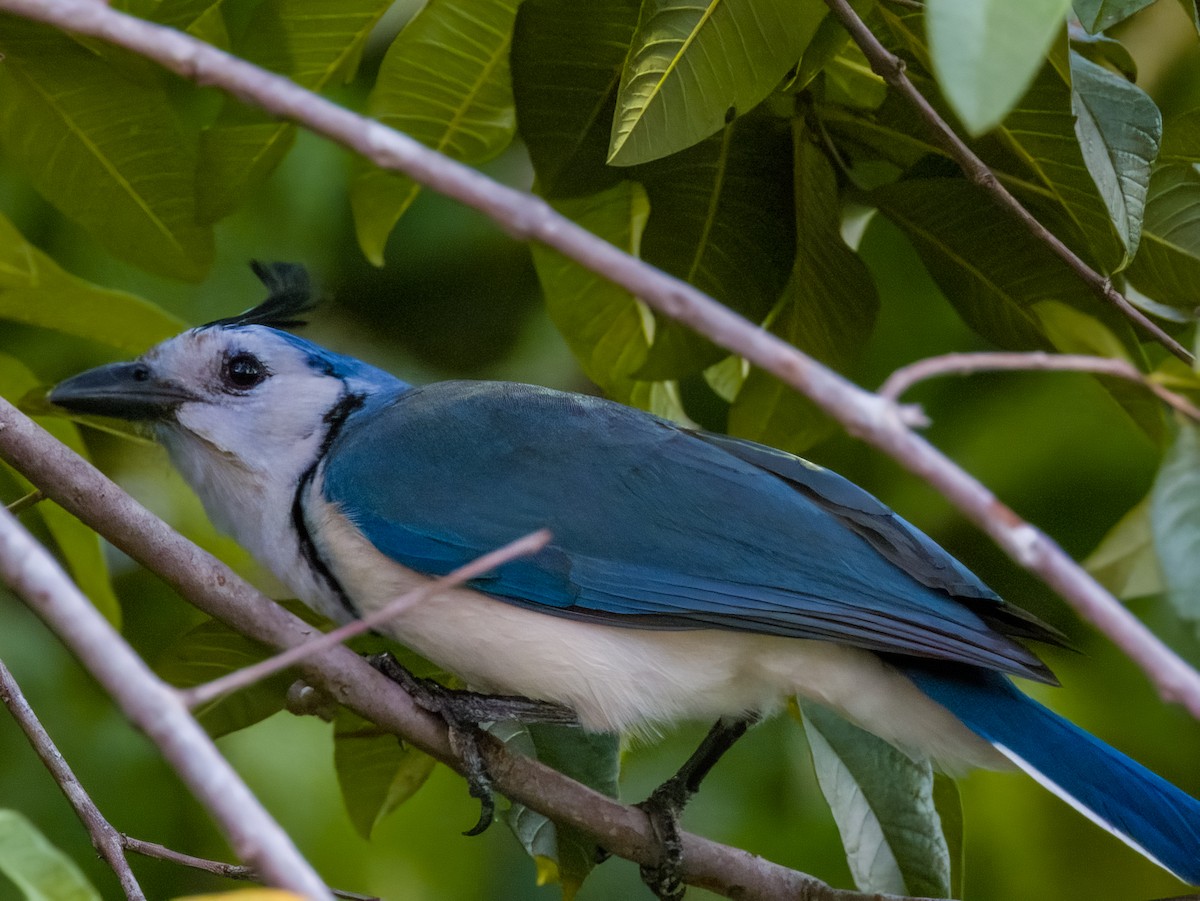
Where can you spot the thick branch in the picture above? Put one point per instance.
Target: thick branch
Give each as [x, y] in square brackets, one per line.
[890, 68]
[105, 839]
[32, 574]
[212, 586]
[877, 421]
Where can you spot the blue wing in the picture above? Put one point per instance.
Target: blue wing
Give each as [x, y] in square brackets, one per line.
[656, 526]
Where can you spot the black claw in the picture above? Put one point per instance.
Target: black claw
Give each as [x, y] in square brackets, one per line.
[462, 712]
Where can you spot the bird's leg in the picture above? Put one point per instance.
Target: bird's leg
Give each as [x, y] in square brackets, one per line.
[666, 803]
[463, 711]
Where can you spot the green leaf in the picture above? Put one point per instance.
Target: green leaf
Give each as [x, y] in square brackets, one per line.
[35, 291]
[376, 771]
[80, 547]
[948, 803]
[883, 803]
[312, 42]
[829, 40]
[1097, 15]
[721, 218]
[986, 53]
[1104, 50]
[445, 82]
[1181, 138]
[828, 311]
[106, 150]
[693, 67]
[40, 870]
[211, 650]
[1175, 517]
[1125, 562]
[566, 65]
[592, 758]
[1168, 266]
[1119, 128]
[607, 328]
[1072, 331]
[1045, 138]
[990, 271]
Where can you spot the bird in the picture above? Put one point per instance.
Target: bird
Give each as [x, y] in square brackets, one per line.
[689, 575]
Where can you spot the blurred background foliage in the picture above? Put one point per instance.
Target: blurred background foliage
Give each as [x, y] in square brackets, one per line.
[458, 298]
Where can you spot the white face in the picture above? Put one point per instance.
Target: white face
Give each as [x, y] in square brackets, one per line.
[258, 402]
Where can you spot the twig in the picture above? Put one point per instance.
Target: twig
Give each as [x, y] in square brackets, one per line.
[890, 68]
[33, 575]
[105, 839]
[967, 363]
[82, 490]
[214, 867]
[202, 694]
[21, 504]
[873, 419]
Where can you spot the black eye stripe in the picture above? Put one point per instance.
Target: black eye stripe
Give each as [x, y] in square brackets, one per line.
[243, 371]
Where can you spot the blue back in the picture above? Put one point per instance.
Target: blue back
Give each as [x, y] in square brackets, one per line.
[655, 526]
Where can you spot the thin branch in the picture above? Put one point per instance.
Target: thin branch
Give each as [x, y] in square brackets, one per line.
[213, 587]
[213, 867]
[890, 68]
[873, 419]
[210, 691]
[105, 839]
[33, 575]
[967, 363]
[21, 504]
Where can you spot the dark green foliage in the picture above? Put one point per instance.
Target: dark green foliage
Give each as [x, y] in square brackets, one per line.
[742, 145]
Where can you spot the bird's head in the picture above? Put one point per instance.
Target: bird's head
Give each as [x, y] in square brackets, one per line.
[239, 391]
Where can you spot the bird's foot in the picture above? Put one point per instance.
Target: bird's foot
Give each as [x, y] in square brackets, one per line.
[463, 711]
[664, 807]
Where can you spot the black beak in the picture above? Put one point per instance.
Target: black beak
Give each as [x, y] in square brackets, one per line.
[120, 390]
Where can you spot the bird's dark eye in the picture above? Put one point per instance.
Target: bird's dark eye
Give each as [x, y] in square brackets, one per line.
[244, 370]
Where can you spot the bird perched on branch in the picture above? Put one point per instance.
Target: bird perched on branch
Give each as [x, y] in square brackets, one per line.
[690, 575]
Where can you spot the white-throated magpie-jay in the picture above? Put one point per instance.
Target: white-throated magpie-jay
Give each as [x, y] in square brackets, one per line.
[690, 575]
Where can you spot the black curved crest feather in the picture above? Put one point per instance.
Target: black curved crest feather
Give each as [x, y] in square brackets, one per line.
[290, 293]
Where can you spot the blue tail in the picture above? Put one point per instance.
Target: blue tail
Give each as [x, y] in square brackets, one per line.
[1144, 810]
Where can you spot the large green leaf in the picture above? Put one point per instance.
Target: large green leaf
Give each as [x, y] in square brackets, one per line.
[1119, 128]
[1125, 562]
[883, 803]
[1097, 15]
[1167, 268]
[1044, 138]
[79, 545]
[106, 150]
[40, 870]
[445, 82]
[566, 65]
[562, 852]
[35, 291]
[721, 218]
[1175, 517]
[607, 328]
[991, 272]
[828, 311]
[376, 771]
[310, 41]
[986, 53]
[695, 66]
[1036, 151]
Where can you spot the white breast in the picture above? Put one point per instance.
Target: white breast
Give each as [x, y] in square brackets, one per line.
[619, 679]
